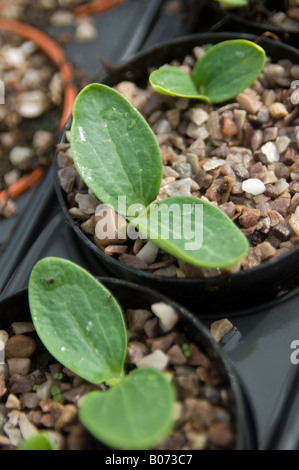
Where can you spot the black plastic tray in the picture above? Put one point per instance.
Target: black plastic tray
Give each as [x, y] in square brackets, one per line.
[259, 346]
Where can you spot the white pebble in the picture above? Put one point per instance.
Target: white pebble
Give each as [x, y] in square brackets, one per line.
[282, 185]
[28, 48]
[197, 132]
[213, 163]
[157, 360]
[32, 104]
[166, 314]
[148, 253]
[197, 115]
[14, 56]
[253, 186]
[295, 71]
[282, 143]
[19, 156]
[85, 31]
[19, 365]
[3, 338]
[179, 188]
[163, 127]
[26, 427]
[271, 152]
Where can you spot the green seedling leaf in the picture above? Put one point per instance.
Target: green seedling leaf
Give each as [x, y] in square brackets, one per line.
[78, 320]
[135, 414]
[228, 68]
[36, 442]
[174, 81]
[114, 149]
[233, 3]
[194, 231]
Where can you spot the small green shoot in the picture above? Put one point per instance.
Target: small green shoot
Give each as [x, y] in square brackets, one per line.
[58, 376]
[37, 442]
[56, 393]
[123, 162]
[225, 70]
[186, 350]
[87, 334]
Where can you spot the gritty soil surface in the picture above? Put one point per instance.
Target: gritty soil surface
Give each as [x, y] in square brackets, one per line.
[38, 394]
[241, 157]
[283, 14]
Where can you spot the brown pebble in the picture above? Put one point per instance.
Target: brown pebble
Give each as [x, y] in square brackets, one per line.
[207, 376]
[133, 262]
[21, 383]
[280, 205]
[228, 127]
[278, 110]
[162, 343]
[221, 434]
[220, 328]
[289, 157]
[249, 217]
[67, 417]
[197, 358]
[46, 420]
[200, 411]
[19, 346]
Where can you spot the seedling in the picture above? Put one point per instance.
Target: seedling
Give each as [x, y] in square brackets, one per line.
[118, 157]
[38, 441]
[233, 3]
[222, 73]
[82, 326]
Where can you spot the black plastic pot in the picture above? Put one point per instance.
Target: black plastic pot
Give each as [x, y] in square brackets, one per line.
[232, 294]
[15, 308]
[231, 18]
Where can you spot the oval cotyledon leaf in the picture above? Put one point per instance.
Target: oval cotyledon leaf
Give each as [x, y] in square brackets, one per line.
[78, 320]
[174, 81]
[228, 68]
[135, 414]
[115, 151]
[194, 231]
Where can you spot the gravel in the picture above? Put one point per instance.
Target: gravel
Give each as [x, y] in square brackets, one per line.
[204, 412]
[241, 156]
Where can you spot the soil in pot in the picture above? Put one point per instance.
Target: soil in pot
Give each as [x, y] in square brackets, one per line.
[241, 156]
[38, 394]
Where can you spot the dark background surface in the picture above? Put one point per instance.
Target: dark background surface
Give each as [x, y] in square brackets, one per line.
[259, 346]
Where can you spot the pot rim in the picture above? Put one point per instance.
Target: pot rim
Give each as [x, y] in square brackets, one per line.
[243, 416]
[271, 267]
[248, 23]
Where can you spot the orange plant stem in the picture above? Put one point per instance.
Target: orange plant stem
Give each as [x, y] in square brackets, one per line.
[23, 184]
[97, 6]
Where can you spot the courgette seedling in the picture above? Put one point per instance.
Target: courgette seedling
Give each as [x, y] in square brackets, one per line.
[225, 70]
[118, 157]
[82, 326]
